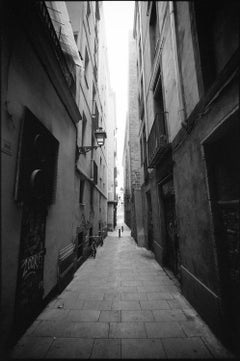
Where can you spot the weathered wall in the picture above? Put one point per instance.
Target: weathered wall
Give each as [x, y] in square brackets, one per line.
[134, 144]
[169, 83]
[187, 62]
[139, 218]
[87, 216]
[197, 244]
[29, 85]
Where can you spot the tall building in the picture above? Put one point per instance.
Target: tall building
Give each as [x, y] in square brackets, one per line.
[188, 73]
[111, 164]
[109, 103]
[131, 155]
[39, 129]
[126, 177]
[91, 184]
[55, 178]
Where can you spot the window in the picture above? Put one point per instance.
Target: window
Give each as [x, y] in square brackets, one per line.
[38, 142]
[88, 15]
[159, 110]
[81, 190]
[143, 146]
[217, 32]
[96, 117]
[153, 30]
[84, 123]
[141, 101]
[91, 196]
[148, 7]
[140, 54]
[86, 63]
[97, 13]
[158, 93]
[75, 36]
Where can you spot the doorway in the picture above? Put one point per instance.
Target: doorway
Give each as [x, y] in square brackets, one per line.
[80, 241]
[223, 169]
[172, 254]
[149, 221]
[35, 190]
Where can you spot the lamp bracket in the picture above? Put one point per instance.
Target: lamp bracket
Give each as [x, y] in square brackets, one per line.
[85, 149]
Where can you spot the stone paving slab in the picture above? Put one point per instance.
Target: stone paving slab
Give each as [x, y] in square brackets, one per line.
[83, 315]
[155, 305]
[110, 316]
[32, 347]
[146, 349]
[70, 348]
[169, 315]
[186, 348]
[107, 349]
[126, 305]
[142, 316]
[121, 304]
[164, 329]
[127, 330]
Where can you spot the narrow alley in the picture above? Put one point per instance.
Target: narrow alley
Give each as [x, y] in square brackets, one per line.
[120, 123]
[119, 305]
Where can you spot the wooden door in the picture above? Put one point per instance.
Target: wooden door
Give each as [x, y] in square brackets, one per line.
[35, 189]
[224, 178]
[172, 242]
[31, 261]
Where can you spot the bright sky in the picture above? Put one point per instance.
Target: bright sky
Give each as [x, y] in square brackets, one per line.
[118, 22]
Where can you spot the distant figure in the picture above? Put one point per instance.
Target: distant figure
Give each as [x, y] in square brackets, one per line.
[122, 229]
[93, 247]
[119, 232]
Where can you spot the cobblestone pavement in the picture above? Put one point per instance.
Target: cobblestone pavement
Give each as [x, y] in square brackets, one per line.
[119, 305]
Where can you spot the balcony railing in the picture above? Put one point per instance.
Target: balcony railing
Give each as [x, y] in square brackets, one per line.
[41, 8]
[158, 143]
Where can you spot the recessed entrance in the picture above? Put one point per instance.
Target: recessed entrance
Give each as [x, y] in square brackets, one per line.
[223, 167]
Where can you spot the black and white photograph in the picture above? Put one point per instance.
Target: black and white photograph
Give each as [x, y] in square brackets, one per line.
[120, 180]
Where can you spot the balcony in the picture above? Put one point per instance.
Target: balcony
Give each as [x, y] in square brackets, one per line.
[158, 143]
[43, 13]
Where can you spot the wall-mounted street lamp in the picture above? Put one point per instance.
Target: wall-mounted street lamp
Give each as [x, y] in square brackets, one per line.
[100, 136]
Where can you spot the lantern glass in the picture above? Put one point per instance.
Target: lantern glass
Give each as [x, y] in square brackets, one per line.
[100, 136]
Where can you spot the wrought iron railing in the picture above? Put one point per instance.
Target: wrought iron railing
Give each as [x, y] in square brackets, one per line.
[158, 140]
[41, 8]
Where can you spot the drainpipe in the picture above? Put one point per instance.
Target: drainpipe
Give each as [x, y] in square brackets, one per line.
[182, 109]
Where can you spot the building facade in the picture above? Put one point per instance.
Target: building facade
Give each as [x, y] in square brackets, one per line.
[131, 154]
[39, 128]
[54, 193]
[188, 69]
[111, 157]
[96, 208]
[109, 103]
